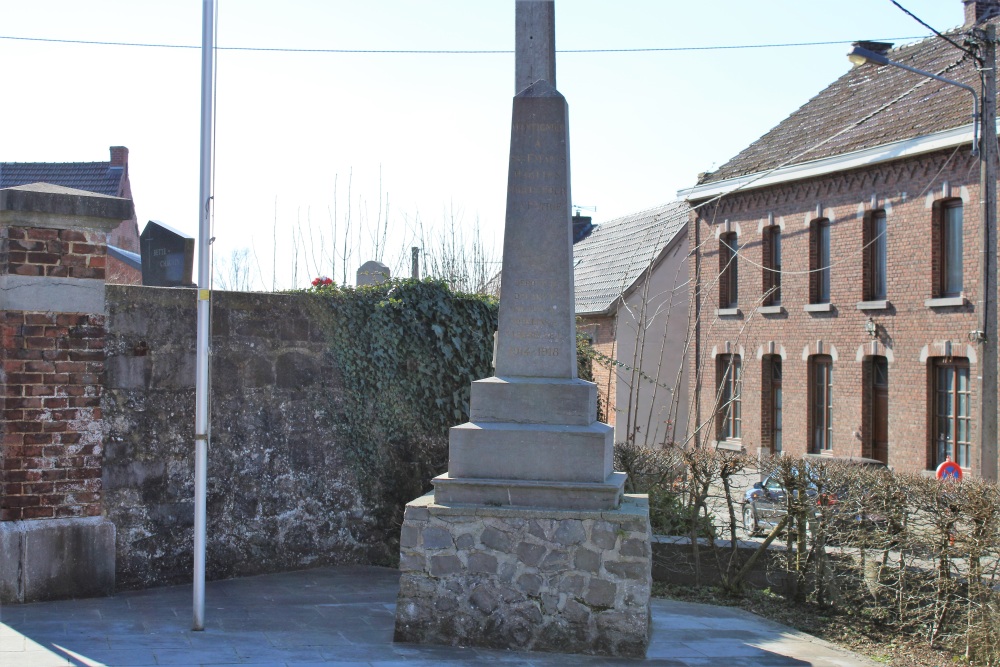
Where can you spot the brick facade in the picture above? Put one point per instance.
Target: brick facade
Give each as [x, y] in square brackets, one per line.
[911, 333]
[54, 540]
[52, 416]
[59, 253]
[601, 331]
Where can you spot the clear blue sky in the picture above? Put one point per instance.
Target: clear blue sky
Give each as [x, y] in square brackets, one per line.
[642, 124]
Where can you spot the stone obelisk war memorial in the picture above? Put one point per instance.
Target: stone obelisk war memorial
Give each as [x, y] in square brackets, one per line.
[527, 542]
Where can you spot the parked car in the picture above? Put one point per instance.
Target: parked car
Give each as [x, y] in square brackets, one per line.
[766, 502]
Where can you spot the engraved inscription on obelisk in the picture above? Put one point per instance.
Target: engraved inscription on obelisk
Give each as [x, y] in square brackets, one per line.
[536, 330]
[533, 438]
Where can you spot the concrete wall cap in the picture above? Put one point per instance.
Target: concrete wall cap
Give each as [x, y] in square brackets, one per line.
[31, 204]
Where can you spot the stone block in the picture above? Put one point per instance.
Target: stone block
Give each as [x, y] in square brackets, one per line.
[412, 562]
[482, 563]
[628, 570]
[437, 538]
[408, 536]
[444, 565]
[635, 547]
[522, 493]
[56, 559]
[533, 401]
[537, 452]
[570, 531]
[531, 584]
[587, 560]
[601, 593]
[530, 554]
[604, 536]
[495, 539]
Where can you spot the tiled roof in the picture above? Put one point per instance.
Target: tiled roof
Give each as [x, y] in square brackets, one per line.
[98, 177]
[869, 106]
[611, 259]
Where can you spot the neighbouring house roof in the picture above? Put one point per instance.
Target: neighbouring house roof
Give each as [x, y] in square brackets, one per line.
[98, 177]
[868, 107]
[612, 259]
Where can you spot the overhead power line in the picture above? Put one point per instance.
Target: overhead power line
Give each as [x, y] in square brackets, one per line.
[443, 51]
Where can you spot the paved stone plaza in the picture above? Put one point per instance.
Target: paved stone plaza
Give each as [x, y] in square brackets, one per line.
[344, 616]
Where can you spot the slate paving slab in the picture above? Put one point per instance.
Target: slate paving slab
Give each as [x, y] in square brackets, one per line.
[344, 617]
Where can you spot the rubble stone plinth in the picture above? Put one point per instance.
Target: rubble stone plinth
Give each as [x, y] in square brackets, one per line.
[526, 579]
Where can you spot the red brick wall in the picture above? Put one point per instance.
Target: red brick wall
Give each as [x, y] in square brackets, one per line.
[51, 365]
[57, 253]
[51, 406]
[602, 332]
[909, 190]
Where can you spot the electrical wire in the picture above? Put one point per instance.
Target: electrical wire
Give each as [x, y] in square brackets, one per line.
[923, 23]
[443, 51]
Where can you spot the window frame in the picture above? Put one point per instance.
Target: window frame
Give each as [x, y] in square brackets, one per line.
[951, 253]
[729, 288]
[876, 257]
[729, 372]
[959, 450]
[819, 261]
[820, 404]
[772, 265]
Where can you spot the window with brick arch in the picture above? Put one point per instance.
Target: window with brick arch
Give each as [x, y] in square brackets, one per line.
[947, 241]
[952, 418]
[729, 371]
[819, 261]
[875, 408]
[820, 403]
[728, 271]
[771, 403]
[771, 251]
[874, 282]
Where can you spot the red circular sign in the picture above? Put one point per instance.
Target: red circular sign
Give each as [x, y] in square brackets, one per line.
[949, 470]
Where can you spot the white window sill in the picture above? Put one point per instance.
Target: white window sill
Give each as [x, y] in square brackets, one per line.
[770, 310]
[944, 302]
[818, 307]
[729, 445]
[727, 312]
[873, 305]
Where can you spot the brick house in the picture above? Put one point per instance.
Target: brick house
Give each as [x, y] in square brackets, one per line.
[836, 270]
[632, 302]
[109, 178]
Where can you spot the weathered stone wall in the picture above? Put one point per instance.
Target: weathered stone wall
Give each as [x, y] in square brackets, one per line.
[530, 579]
[280, 493]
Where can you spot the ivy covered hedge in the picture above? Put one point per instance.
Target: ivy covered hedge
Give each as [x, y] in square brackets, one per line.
[408, 352]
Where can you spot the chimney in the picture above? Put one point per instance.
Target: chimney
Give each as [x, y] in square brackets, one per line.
[881, 48]
[582, 227]
[977, 11]
[119, 156]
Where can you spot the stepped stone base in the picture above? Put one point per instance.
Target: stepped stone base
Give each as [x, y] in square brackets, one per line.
[526, 579]
[604, 495]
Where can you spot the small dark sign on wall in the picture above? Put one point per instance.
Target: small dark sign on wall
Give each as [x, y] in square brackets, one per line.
[167, 256]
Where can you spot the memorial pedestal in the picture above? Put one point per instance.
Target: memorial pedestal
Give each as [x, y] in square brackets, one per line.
[526, 542]
[571, 581]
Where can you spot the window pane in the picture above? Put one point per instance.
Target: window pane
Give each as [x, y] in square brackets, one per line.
[824, 262]
[878, 255]
[776, 265]
[952, 235]
[729, 279]
[822, 403]
[777, 419]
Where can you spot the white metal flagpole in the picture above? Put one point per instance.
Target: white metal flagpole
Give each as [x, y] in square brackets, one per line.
[201, 418]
